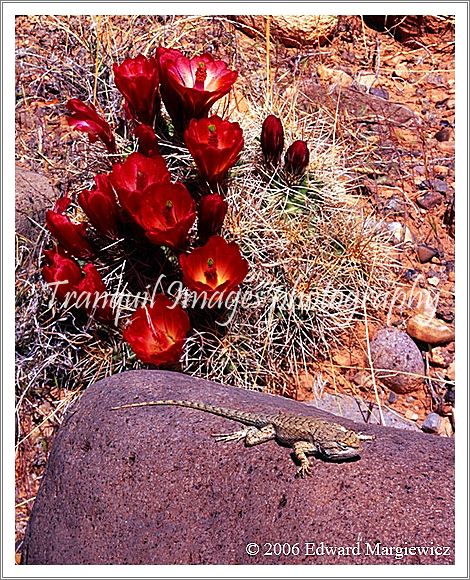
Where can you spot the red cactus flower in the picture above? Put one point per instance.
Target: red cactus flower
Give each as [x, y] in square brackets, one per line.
[61, 271]
[166, 211]
[100, 206]
[148, 142]
[272, 139]
[134, 175]
[84, 117]
[296, 158]
[137, 79]
[171, 99]
[92, 294]
[215, 146]
[72, 237]
[85, 289]
[191, 86]
[215, 268]
[157, 333]
[212, 211]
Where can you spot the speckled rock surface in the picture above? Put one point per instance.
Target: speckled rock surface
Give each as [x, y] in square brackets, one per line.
[150, 486]
[293, 31]
[395, 353]
[34, 195]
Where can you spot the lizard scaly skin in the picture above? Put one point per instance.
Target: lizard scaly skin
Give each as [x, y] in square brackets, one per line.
[304, 435]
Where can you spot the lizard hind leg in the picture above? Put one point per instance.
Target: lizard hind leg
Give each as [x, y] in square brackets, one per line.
[251, 435]
[258, 436]
[235, 436]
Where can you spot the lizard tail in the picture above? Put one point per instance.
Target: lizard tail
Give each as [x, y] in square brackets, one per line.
[244, 417]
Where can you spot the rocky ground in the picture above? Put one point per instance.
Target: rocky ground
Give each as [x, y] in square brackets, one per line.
[392, 93]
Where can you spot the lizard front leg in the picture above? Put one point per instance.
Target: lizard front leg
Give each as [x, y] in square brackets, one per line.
[251, 435]
[301, 448]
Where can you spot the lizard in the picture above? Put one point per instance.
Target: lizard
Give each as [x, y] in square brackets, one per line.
[304, 435]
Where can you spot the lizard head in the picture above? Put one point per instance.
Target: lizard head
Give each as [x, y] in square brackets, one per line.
[342, 443]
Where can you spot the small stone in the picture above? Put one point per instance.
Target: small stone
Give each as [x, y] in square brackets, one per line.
[437, 357]
[392, 397]
[438, 185]
[426, 253]
[447, 430]
[444, 134]
[429, 330]
[451, 276]
[450, 265]
[402, 71]
[408, 236]
[334, 76]
[412, 275]
[441, 170]
[449, 397]
[429, 200]
[379, 92]
[422, 302]
[434, 281]
[451, 371]
[399, 233]
[435, 79]
[433, 424]
[411, 415]
[397, 360]
[366, 79]
[395, 205]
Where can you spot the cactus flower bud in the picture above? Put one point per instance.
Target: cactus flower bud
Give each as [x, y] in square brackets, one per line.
[296, 158]
[212, 210]
[272, 139]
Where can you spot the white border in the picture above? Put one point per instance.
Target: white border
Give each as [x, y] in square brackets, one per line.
[226, 8]
[211, 8]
